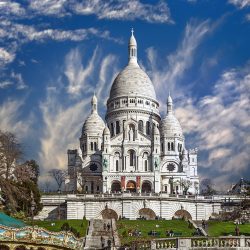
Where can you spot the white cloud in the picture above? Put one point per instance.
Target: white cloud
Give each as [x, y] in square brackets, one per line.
[240, 3]
[11, 8]
[6, 56]
[110, 9]
[5, 84]
[219, 124]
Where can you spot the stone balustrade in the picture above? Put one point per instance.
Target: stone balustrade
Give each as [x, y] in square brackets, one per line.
[193, 243]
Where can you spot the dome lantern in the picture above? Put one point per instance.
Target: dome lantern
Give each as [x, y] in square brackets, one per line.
[94, 104]
[169, 104]
[132, 49]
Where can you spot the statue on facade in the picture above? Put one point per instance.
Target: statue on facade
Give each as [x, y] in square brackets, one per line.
[131, 134]
[156, 162]
[105, 163]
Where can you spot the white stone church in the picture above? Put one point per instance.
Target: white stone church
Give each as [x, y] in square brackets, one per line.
[137, 150]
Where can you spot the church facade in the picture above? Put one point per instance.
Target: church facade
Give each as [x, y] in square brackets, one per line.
[135, 149]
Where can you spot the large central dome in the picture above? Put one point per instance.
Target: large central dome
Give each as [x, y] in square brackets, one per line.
[132, 80]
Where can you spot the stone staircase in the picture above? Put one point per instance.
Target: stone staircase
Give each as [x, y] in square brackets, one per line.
[98, 235]
[198, 224]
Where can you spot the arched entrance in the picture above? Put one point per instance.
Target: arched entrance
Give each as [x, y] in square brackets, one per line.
[131, 186]
[3, 247]
[183, 214]
[147, 213]
[116, 187]
[20, 248]
[108, 213]
[146, 187]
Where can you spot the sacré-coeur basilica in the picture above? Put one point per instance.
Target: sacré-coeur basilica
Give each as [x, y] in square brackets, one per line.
[137, 150]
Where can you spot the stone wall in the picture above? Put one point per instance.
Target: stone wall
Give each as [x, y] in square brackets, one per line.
[129, 206]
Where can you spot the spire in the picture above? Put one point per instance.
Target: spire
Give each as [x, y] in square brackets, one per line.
[169, 104]
[132, 49]
[94, 104]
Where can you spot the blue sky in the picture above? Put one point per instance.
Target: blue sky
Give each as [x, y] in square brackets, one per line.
[55, 53]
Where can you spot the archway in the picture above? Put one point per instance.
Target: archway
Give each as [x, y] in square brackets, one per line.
[4, 247]
[146, 187]
[108, 213]
[147, 213]
[131, 186]
[116, 187]
[21, 248]
[183, 214]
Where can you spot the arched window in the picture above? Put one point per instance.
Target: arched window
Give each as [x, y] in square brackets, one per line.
[132, 157]
[172, 146]
[168, 146]
[112, 129]
[95, 144]
[117, 127]
[140, 126]
[117, 158]
[162, 146]
[92, 146]
[145, 159]
[148, 128]
[117, 165]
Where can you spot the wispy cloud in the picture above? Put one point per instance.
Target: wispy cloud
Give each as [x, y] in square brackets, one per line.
[78, 75]
[169, 77]
[110, 9]
[11, 119]
[66, 118]
[240, 3]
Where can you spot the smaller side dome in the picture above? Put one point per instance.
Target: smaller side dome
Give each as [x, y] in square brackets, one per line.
[94, 124]
[170, 126]
[106, 130]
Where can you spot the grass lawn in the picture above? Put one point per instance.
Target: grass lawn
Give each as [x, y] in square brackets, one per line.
[145, 226]
[220, 228]
[79, 225]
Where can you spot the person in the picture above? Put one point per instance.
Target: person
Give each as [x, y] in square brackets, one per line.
[203, 224]
[171, 233]
[108, 226]
[109, 243]
[167, 233]
[102, 241]
[237, 231]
